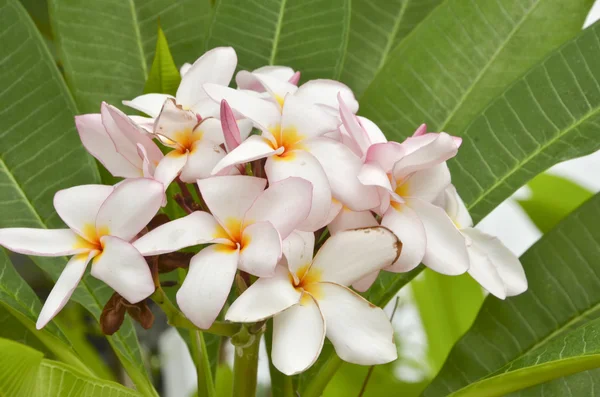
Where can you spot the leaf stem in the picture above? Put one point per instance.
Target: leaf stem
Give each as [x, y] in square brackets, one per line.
[318, 384]
[206, 387]
[245, 367]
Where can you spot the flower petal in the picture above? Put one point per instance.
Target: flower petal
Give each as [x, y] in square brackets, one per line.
[365, 283]
[342, 167]
[304, 120]
[194, 229]
[300, 163]
[231, 131]
[265, 298]
[43, 242]
[483, 271]
[455, 208]
[360, 332]
[446, 250]
[385, 155]
[285, 204]
[148, 103]
[78, 207]
[426, 184]
[63, 288]
[278, 88]
[214, 66]
[173, 124]
[405, 224]
[247, 80]
[207, 284]
[350, 255]
[261, 249]
[420, 157]
[298, 336]
[298, 249]
[254, 148]
[124, 269]
[99, 144]
[353, 127]
[325, 92]
[201, 160]
[348, 219]
[169, 167]
[184, 68]
[129, 208]
[373, 131]
[373, 175]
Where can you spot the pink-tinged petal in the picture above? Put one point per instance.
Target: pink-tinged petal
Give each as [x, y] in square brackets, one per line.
[302, 120]
[298, 249]
[264, 113]
[148, 167]
[344, 137]
[342, 168]
[325, 92]
[265, 298]
[373, 131]
[302, 164]
[385, 155]
[169, 167]
[231, 130]
[483, 271]
[365, 283]
[276, 87]
[348, 219]
[124, 269]
[98, 143]
[246, 80]
[285, 204]
[207, 284]
[129, 208]
[43, 242]
[261, 249]
[334, 210]
[422, 130]
[350, 255]
[174, 124]
[353, 127]
[298, 336]
[215, 66]
[405, 224]
[64, 287]
[78, 207]
[360, 332]
[506, 263]
[185, 68]
[427, 184]
[373, 175]
[201, 161]
[230, 197]
[455, 208]
[146, 123]
[446, 250]
[148, 103]
[127, 135]
[193, 229]
[254, 148]
[438, 150]
[295, 78]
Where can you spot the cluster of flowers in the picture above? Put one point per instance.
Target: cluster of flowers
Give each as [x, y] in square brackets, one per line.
[274, 163]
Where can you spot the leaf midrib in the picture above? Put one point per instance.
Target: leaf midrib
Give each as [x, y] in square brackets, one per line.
[138, 38]
[277, 32]
[392, 35]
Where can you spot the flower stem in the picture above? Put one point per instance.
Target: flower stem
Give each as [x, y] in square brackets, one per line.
[206, 387]
[318, 384]
[245, 367]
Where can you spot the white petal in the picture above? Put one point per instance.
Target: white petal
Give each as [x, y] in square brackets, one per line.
[214, 66]
[348, 219]
[360, 332]
[184, 68]
[304, 165]
[63, 289]
[353, 128]
[254, 148]
[484, 272]
[193, 229]
[207, 284]
[201, 161]
[446, 250]
[298, 249]
[246, 80]
[325, 92]
[365, 283]
[432, 153]
[130, 207]
[298, 336]
[455, 208]
[148, 103]
[334, 209]
[43, 242]
[169, 167]
[405, 224]
[261, 249]
[175, 125]
[373, 131]
[276, 87]
[265, 298]
[385, 155]
[426, 184]
[304, 120]
[124, 269]
[373, 175]
[78, 207]
[352, 254]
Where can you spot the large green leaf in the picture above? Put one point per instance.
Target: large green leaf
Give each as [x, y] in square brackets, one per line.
[564, 292]
[579, 384]
[40, 153]
[107, 46]
[376, 28]
[462, 56]
[309, 36]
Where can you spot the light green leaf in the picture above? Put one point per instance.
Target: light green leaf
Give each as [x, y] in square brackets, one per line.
[376, 28]
[225, 381]
[41, 153]
[564, 292]
[18, 369]
[310, 37]
[579, 384]
[107, 46]
[164, 77]
[575, 352]
[552, 198]
[463, 55]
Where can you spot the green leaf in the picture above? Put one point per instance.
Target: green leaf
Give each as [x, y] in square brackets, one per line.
[376, 28]
[40, 153]
[578, 384]
[564, 292]
[107, 46]
[224, 381]
[463, 55]
[553, 198]
[18, 369]
[164, 76]
[575, 352]
[309, 38]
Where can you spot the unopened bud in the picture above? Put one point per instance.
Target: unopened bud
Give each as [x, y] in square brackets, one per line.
[112, 315]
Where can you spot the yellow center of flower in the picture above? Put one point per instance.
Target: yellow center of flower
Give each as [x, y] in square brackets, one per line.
[92, 237]
[234, 234]
[309, 279]
[289, 139]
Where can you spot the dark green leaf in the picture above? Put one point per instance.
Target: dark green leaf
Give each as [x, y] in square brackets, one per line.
[164, 76]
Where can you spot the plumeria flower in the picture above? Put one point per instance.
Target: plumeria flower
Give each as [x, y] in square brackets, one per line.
[245, 229]
[252, 81]
[215, 66]
[309, 299]
[492, 265]
[102, 221]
